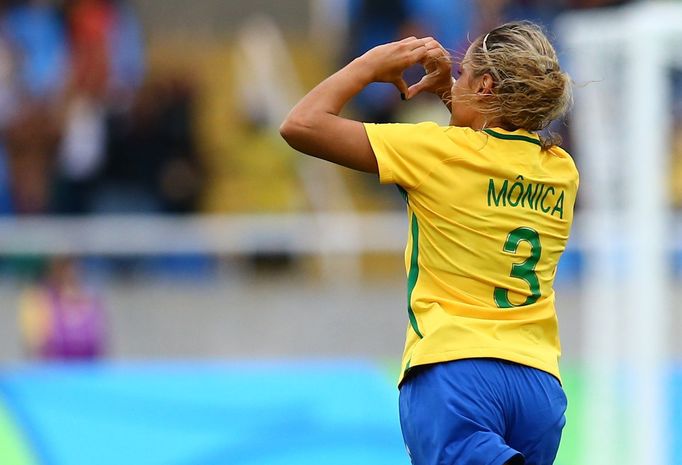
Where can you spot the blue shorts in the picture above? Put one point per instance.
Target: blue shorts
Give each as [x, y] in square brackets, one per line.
[481, 412]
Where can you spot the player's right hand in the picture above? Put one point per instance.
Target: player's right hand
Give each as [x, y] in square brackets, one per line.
[438, 66]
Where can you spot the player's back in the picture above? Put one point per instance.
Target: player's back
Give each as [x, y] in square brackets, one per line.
[490, 215]
[496, 216]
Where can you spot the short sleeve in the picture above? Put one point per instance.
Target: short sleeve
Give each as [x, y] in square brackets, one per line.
[407, 153]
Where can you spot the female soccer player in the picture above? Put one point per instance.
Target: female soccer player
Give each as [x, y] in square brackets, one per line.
[490, 206]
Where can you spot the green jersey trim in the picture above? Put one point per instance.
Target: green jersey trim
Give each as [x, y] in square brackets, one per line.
[499, 135]
[407, 366]
[403, 193]
[413, 274]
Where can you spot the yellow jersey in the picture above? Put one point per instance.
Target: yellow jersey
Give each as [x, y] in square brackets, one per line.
[489, 217]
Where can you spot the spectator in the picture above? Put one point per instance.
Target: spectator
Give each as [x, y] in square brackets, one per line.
[35, 31]
[36, 37]
[60, 319]
[153, 162]
[8, 109]
[106, 69]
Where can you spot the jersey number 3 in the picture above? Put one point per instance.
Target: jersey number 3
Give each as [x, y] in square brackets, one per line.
[524, 270]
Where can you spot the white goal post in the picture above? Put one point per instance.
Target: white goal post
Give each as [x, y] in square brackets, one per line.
[620, 59]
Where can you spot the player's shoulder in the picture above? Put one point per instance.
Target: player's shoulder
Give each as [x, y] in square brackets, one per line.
[560, 152]
[565, 159]
[408, 130]
[423, 126]
[427, 134]
[463, 133]
[430, 127]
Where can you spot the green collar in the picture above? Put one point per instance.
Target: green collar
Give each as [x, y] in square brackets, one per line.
[499, 135]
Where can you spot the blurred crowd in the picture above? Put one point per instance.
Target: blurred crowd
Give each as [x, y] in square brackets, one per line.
[85, 129]
[81, 128]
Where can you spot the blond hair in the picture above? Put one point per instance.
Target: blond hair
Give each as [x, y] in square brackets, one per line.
[529, 88]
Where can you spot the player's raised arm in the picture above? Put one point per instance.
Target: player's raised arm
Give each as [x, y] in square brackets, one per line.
[314, 126]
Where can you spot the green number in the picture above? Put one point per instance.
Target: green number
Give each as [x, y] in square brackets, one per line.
[524, 270]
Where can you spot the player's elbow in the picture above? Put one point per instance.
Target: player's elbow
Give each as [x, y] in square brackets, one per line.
[287, 129]
[294, 129]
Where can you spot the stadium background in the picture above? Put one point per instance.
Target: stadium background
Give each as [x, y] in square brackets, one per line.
[265, 353]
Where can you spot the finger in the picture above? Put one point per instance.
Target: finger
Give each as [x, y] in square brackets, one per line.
[442, 51]
[416, 89]
[419, 43]
[434, 44]
[435, 63]
[407, 39]
[433, 54]
[418, 55]
[402, 87]
[436, 50]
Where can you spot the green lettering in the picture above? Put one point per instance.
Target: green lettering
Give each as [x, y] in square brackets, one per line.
[518, 185]
[502, 194]
[529, 195]
[559, 207]
[541, 189]
[542, 202]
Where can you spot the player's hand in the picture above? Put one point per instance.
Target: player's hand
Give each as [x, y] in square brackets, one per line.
[386, 63]
[438, 66]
